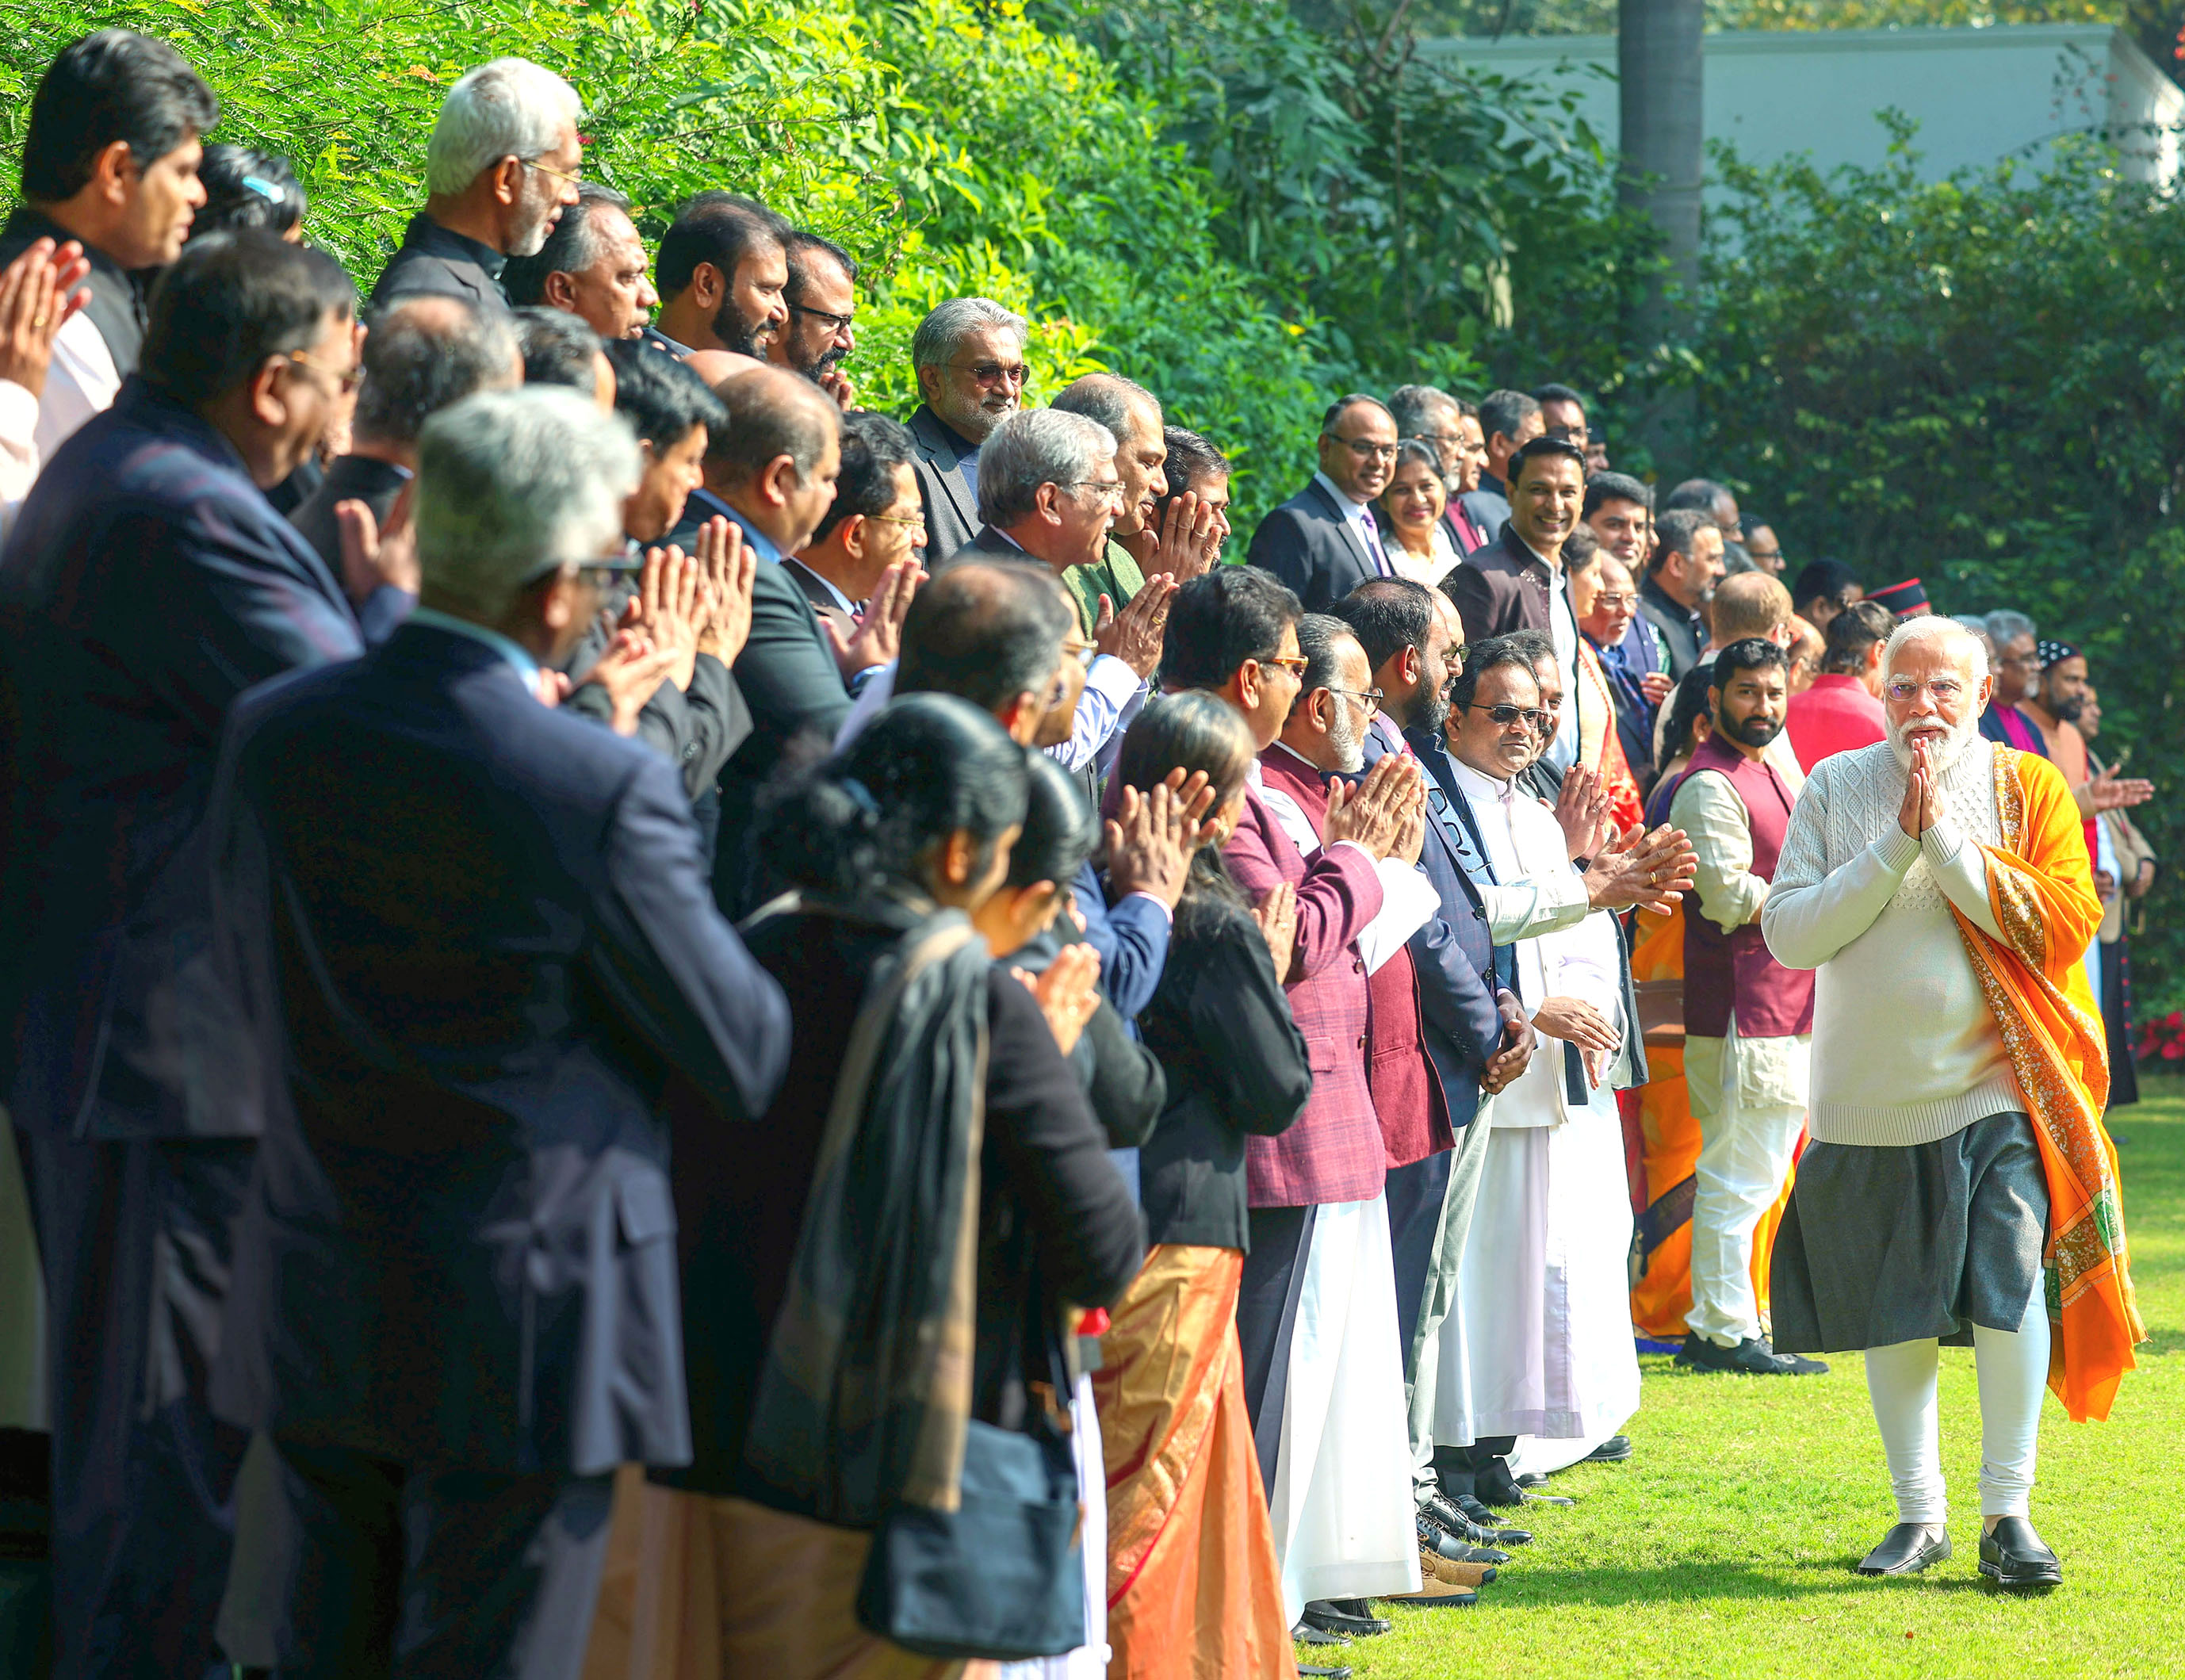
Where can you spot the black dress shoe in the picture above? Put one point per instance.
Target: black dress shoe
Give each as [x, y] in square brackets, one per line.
[1491, 1525]
[1443, 1541]
[1752, 1356]
[1352, 1617]
[1616, 1449]
[1307, 1672]
[1502, 1488]
[1304, 1633]
[2011, 1556]
[1907, 1549]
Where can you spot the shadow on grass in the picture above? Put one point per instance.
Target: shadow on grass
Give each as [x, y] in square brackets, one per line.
[1794, 1578]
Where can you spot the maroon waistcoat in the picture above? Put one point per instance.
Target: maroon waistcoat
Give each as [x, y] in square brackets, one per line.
[1734, 971]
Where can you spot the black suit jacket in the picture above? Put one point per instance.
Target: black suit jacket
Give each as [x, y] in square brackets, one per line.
[816, 590]
[350, 479]
[1311, 545]
[146, 583]
[434, 262]
[1500, 588]
[951, 511]
[474, 945]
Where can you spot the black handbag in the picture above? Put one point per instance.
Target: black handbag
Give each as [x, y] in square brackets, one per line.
[1001, 1576]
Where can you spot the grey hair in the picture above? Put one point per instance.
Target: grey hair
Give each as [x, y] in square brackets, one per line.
[513, 485]
[1108, 398]
[424, 354]
[2005, 627]
[510, 108]
[1415, 407]
[1933, 627]
[1035, 447]
[948, 323]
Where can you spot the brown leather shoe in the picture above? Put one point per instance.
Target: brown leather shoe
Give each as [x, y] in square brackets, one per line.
[1439, 1594]
[1435, 1567]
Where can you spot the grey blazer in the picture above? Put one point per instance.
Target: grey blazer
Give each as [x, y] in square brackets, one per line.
[951, 511]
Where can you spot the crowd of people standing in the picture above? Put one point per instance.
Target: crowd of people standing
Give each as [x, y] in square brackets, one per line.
[658, 1025]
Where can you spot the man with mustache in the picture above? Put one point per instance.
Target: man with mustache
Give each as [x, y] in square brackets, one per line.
[823, 309]
[1748, 1020]
[1939, 883]
[723, 274]
[968, 356]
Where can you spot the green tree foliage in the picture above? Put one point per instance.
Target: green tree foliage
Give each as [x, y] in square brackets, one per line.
[1980, 381]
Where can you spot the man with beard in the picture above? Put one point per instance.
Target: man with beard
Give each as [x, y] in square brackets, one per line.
[2054, 705]
[1680, 580]
[1748, 1020]
[822, 327]
[501, 166]
[722, 273]
[1939, 883]
[968, 356]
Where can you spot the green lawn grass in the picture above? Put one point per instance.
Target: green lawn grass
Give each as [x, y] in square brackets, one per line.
[1725, 1547]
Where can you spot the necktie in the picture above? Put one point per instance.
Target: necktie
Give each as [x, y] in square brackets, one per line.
[1372, 536]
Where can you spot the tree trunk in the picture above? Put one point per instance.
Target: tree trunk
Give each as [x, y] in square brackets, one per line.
[1660, 69]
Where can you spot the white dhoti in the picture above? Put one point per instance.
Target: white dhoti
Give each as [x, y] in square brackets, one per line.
[1341, 1502]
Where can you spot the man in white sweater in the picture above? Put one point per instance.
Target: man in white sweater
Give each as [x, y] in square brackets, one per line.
[1922, 1205]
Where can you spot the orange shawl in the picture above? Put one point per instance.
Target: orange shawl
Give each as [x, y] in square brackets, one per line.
[1600, 749]
[2042, 892]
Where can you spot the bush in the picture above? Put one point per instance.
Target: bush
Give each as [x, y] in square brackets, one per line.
[1981, 382]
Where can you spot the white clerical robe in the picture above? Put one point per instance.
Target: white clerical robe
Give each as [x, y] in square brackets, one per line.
[1539, 1343]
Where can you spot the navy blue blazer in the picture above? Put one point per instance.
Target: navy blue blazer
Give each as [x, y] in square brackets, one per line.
[1132, 937]
[1310, 544]
[146, 585]
[474, 947]
[1454, 953]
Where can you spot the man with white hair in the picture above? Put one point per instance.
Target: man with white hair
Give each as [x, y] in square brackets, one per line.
[454, 1302]
[503, 163]
[1939, 885]
[968, 356]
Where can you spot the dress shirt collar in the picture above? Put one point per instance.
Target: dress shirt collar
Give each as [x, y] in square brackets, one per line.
[754, 539]
[426, 234]
[1353, 509]
[1475, 786]
[523, 664]
[828, 584]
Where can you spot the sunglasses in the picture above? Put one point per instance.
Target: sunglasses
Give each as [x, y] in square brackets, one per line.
[1505, 715]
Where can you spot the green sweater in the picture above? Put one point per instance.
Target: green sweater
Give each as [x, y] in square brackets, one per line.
[1116, 576]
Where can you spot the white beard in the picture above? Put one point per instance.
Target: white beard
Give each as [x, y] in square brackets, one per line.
[1941, 755]
[1349, 749]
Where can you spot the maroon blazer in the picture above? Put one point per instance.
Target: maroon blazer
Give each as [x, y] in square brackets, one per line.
[1500, 588]
[1333, 1152]
[1735, 971]
[1406, 1092]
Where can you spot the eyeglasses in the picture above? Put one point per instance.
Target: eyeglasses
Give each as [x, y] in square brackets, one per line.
[1371, 700]
[1505, 715]
[918, 519]
[548, 168]
[993, 372]
[835, 323]
[1903, 690]
[347, 378]
[1445, 439]
[1365, 448]
[1295, 667]
[1083, 652]
[1110, 490]
[1609, 602]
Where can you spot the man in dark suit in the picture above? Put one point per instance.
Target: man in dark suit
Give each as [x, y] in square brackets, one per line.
[968, 357]
[474, 944]
[874, 521]
[1510, 419]
[1322, 543]
[424, 353]
[1680, 581]
[146, 583]
[499, 170]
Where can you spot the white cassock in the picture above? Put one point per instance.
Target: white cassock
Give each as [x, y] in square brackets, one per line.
[1343, 1515]
[1539, 1343]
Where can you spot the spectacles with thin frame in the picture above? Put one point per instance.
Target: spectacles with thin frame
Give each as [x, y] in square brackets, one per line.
[1111, 490]
[1505, 715]
[1905, 689]
[994, 372]
[576, 180]
[1294, 664]
[1609, 602]
[918, 519]
[347, 378]
[1083, 652]
[1365, 449]
[835, 323]
[1369, 700]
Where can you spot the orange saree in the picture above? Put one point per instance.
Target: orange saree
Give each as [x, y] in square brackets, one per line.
[2042, 892]
[1194, 1589]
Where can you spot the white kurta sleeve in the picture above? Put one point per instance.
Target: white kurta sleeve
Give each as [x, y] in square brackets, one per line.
[1812, 912]
[1720, 828]
[1960, 869]
[1536, 905]
[1408, 903]
[19, 442]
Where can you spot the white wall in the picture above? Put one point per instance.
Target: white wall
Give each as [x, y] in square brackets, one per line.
[1977, 94]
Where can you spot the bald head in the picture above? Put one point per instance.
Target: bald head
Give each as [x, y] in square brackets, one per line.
[718, 367]
[772, 413]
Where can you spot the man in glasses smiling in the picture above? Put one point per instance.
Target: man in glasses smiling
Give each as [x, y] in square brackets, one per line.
[1323, 541]
[969, 358]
